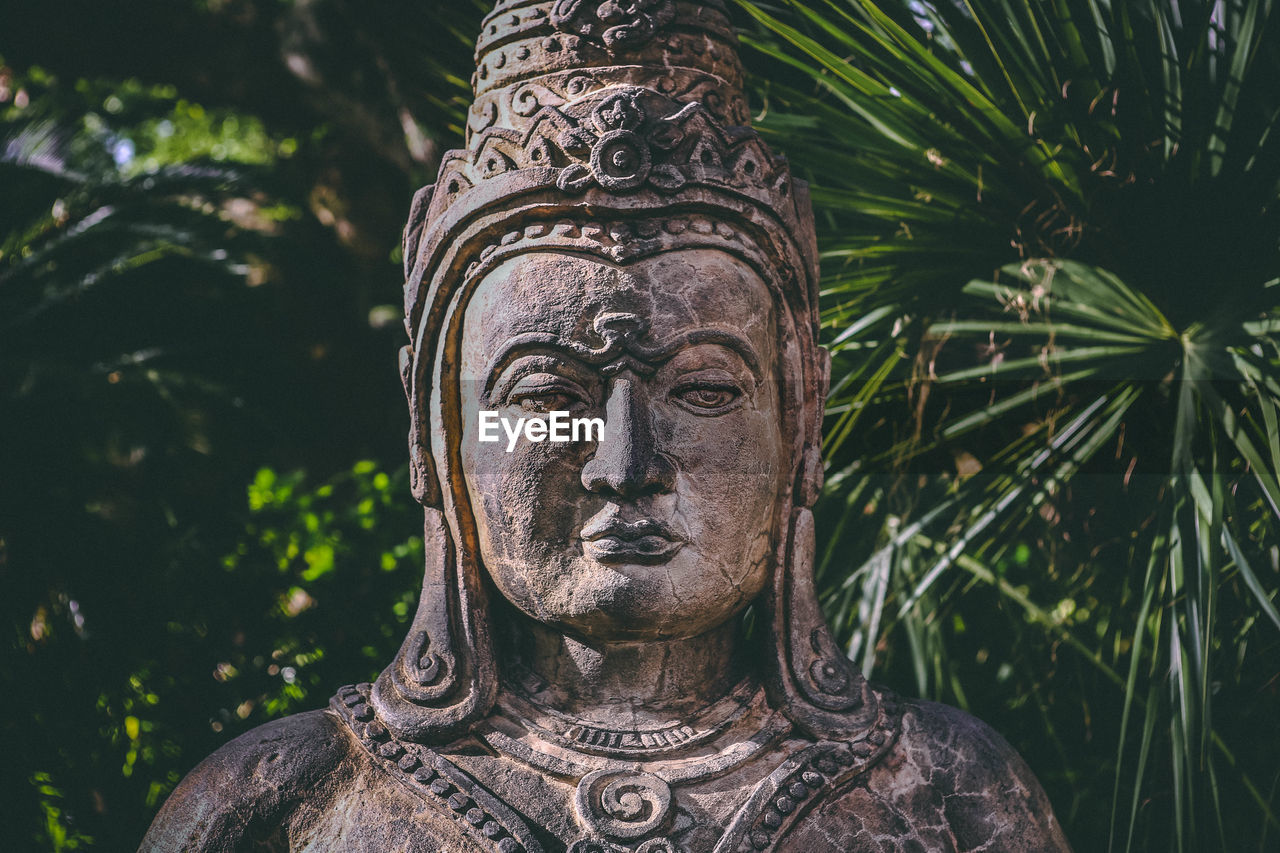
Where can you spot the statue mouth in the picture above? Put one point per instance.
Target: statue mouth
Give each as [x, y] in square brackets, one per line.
[612, 541]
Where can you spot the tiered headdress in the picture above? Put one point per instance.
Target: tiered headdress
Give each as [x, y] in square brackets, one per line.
[617, 128]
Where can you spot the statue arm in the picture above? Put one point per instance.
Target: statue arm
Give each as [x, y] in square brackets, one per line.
[245, 794]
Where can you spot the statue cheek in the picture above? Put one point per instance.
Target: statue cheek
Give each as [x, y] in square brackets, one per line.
[734, 456]
[527, 518]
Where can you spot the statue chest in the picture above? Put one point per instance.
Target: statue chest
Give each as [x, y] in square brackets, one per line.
[374, 812]
[506, 790]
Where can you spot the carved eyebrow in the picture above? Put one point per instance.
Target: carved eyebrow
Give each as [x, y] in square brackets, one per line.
[727, 338]
[660, 352]
[527, 343]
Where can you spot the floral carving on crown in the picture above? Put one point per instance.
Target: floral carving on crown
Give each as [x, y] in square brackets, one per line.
[616, 23]
[619, 154]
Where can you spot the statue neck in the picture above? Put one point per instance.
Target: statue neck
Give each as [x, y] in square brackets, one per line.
[640, 681]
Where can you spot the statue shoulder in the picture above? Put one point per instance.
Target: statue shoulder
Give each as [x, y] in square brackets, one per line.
[988, 794]
[928, 776]
[968, 752]
[249, 787]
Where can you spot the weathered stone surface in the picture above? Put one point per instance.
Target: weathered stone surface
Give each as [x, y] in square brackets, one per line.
[612, 244]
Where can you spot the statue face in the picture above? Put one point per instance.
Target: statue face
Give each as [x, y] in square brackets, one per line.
[664, 526]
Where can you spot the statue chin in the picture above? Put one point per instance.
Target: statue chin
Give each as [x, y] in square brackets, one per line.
[615, 245]
[613, 606]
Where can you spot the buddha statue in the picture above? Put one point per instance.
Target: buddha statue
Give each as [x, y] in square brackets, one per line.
[618, 647]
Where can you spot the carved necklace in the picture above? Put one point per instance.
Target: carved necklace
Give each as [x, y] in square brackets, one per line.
[620, 802]
[625, 776]
[680, 751]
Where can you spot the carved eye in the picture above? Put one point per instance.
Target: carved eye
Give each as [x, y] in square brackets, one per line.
[706, 397]
[541, 393]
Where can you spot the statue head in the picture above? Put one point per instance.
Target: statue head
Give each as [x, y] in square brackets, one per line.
[614, 242]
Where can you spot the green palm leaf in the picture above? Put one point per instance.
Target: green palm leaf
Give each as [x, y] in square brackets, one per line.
[1051, 238]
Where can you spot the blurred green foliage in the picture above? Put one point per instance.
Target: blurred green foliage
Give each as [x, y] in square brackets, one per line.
[196, 276]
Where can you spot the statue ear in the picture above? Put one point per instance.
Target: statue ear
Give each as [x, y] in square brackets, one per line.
[444, 676]
[414, 226]
[813, 683]
[811, 470]
[422, 478]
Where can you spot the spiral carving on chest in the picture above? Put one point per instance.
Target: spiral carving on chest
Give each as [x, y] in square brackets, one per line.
[622, 804]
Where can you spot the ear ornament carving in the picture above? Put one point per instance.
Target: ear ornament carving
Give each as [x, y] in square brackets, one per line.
[823, 673]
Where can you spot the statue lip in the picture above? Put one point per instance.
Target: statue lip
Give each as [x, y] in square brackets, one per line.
[646, 541]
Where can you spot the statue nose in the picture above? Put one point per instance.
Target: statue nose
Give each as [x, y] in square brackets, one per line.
[627, 461]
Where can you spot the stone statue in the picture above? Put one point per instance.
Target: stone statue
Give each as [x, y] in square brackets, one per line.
[615, 243]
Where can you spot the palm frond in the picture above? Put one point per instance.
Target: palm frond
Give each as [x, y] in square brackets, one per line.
[1050, 237]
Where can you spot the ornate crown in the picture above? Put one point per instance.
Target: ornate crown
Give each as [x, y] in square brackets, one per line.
[581, 97]
[615, 94]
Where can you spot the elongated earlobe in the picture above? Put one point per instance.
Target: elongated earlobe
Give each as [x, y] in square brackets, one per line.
[422, 481]
[813, 683]
[443, 677]
[811, 471]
